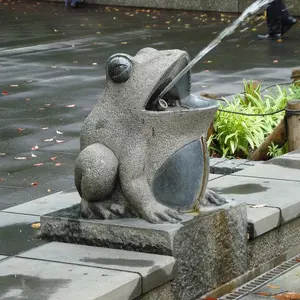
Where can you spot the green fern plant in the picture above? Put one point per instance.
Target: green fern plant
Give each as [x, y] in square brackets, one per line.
[237, 135]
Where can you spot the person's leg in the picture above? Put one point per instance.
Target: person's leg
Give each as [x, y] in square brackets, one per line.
[274, 20]
[287, 20]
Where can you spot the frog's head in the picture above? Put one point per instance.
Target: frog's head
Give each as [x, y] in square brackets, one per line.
[134, 83]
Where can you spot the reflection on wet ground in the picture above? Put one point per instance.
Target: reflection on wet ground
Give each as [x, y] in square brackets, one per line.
[52, 74]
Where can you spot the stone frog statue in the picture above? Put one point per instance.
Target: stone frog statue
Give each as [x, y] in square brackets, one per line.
[143, 156]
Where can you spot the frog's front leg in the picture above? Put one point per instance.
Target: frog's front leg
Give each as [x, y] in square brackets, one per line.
[137, 191]
[211, 198]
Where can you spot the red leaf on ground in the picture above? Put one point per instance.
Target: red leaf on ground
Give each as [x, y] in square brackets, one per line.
[34, 184]
[38, 164]
[57, 164]
[35, 147]
[20, 129]
[4, 93]
[53, 158]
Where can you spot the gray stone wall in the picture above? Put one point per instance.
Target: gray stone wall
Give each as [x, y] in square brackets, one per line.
[233, 6]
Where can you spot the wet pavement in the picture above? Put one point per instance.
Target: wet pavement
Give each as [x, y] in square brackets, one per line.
[52, 74]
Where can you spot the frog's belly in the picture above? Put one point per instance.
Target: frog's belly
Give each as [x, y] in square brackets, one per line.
[182, 178]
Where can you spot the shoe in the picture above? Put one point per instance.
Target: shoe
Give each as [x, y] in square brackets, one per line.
[269, 36]
[288, 24]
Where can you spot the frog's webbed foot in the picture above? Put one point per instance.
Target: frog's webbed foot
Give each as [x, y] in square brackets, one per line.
[106, 209]
[212, 199]
[158, 213]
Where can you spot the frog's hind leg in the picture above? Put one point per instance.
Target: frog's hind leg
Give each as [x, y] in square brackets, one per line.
[96, 179]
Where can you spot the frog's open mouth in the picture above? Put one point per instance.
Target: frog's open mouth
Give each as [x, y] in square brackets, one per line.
[175, 96]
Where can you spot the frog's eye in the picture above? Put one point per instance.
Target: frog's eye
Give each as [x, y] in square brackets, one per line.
[119, 69]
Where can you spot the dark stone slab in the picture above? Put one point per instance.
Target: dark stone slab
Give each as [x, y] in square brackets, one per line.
[16, 233]
[210, 249]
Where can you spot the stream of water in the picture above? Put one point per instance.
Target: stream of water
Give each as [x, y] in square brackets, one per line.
[250, 11]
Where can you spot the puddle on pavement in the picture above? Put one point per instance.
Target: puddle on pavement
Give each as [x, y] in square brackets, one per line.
[139, 263]
[24, 287]
[242, 189]
[18, 238]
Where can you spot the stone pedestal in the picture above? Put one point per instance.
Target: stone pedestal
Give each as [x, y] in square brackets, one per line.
[210, 248]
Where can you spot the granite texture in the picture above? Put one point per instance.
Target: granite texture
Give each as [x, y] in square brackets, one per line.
[210, 249]
[137, 159]
[273, 244]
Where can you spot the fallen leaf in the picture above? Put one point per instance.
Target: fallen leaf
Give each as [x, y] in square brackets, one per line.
[272, 286]
[4, 93]
[70, 105]
[124, 43]
[57, 164]
[50, 140]
[34, 184]
[1, 179]
[27, 99]
[53, 158]
[275, 61]
[55, 30]
[258, 205]
[59, 132]
[59, 141]
[14, 85]
[254, 29]
[35, 147]
[36, 225]
[20, 129]
[44, 128]
[47, 104]
[263, 294]
[38, 164]
[20, 157]
[279, 41]
[33, 155]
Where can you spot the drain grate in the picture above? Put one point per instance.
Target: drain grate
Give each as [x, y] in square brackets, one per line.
[258, 282]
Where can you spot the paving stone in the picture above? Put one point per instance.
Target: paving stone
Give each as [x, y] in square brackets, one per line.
[48, 204]
[214, 176]
[257, 191]
[35, 280]
[280, 168]
[228, 166]
[16, 233]
[14, 196]
[213, 161]
[154, 269]
[6, 190]
[2, 257]
[262, 220]
[295, 153]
